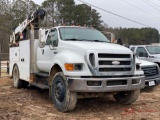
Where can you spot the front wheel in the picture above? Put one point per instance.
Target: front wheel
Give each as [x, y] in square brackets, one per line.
[127, 97]
[63, 99]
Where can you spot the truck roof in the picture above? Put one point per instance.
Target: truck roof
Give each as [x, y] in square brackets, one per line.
[74, 27]
[141, 45]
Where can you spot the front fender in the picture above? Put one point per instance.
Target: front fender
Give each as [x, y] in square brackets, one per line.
[70, 57]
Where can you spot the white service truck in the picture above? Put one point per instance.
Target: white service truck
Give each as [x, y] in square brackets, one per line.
[74, 62]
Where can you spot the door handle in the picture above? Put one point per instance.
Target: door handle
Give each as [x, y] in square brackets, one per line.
[43, 52]
[55, 52]
[22, 59]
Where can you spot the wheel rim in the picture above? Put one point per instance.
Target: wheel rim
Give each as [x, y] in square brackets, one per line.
[60, 91]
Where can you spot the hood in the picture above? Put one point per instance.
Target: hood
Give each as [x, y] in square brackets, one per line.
[85, 45]
[155, 55]
[146, 63]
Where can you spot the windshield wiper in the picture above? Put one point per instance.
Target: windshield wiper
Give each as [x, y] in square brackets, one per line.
[73, 39]
[98, 41]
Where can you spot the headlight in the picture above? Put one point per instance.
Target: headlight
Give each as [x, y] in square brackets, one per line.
[72, 67]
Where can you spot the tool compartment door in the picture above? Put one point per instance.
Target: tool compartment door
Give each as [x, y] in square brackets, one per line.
[25, 60]
[13, 58]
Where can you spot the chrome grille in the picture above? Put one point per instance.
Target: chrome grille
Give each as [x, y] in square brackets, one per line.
[110, 62]
[150, 71]
[104, 55]
[114, 69]
[114, 62]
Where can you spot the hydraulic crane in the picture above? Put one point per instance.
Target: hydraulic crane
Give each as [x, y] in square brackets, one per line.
[32, 21]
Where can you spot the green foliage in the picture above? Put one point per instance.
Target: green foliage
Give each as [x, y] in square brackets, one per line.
[19, 12]
[68, 13]
[11, 14]
[66, 9]
[49, 7]
[136, 36]
[85, 15]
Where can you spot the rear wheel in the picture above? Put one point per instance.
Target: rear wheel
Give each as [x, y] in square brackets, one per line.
[15, 74]
[63, 99]
[127, 97]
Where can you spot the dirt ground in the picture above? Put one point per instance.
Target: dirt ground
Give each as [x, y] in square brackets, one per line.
[34, 104]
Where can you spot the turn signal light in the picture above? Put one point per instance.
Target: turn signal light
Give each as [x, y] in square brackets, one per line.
[69, 67]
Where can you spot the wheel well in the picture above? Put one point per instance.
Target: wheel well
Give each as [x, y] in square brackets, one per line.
[56, 68]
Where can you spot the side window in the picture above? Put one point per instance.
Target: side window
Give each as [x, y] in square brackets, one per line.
[141, 52]
[52, 38]
[48, 41]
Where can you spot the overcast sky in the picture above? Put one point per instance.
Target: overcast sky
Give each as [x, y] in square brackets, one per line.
[136, 10]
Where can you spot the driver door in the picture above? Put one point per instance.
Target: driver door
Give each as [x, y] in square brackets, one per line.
[47, 53]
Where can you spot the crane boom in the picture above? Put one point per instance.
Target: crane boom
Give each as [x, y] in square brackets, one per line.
[33, 19]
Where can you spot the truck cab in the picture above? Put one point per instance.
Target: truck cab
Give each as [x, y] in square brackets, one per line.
[73, 62]
[147, 52]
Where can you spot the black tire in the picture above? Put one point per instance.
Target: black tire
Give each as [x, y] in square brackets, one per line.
[25, 84]
[17, 83]
[127, 97]
[63, 99]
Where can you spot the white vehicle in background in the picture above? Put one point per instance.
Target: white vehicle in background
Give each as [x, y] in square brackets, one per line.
[147, 52]
[152, 73]
[150, 69]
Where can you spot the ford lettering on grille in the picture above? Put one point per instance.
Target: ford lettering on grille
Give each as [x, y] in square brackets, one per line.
[115, 62]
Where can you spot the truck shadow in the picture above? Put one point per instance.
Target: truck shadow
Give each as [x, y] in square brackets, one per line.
[85, 105]
[149, 89]
[96, 104]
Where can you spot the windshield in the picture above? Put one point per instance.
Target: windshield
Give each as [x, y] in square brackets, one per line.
[153, 49]
[82, 34]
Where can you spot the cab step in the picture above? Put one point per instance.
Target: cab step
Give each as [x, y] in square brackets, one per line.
[41, 86]
[42, 74]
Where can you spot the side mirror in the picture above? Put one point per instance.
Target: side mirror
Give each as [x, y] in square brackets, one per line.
[145, 55]
[42, 38]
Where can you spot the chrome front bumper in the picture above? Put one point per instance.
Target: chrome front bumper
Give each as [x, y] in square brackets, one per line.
[106, 84]
[157, 80]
